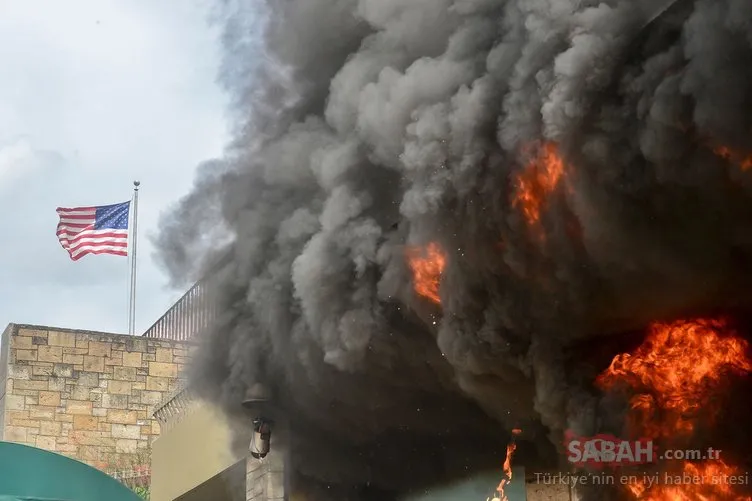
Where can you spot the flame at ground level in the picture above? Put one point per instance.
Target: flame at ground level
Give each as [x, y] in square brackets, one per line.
[671, 377]
[672, 374]
[427, 265]
[507, 468]
[705, 481]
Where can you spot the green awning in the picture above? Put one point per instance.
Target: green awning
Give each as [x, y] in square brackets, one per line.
[31, 474]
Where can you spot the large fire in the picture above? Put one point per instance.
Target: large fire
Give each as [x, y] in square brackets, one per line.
[537, 181]
[672, 377]
[427, 265]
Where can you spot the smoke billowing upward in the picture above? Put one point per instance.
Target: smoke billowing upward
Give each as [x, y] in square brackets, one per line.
[582, 175]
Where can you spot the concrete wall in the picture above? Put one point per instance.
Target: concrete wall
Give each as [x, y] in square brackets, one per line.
[87, 395]
[190, 452]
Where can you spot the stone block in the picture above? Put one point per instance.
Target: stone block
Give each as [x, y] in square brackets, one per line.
[17, 434]
[42, 413]
[136, 344]
[44, 369]
[99, 412]
[126, 431]
[20, 342]
[88, 379]
[14, 403]
[85, 437]
[50, 354]
[73, 359]
[164, 355]
[119, 387]
[80, 393]
[49, 398]
[124, 373]
[161, 369]
[26, 354]
[50, 428]
[66, 339]
[78, 407]
[154, 383]
[62, 370]
[12, 417]
[132, 359]
[115, 359]
[64, 418]
[76, 351]
[56, 384]
[46, 443]
[93, 363]
[69, 449]
[19, 372]
[110, 401]
[121, 416]
[89, 423]
[31, 400]
[30, 385]
[125, 446]
[151, 397]
[98, 349]
[33, 332]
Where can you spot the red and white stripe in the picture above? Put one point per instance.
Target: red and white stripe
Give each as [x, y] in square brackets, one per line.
[77, 234]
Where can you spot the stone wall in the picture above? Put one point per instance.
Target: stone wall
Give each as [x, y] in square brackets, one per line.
[87, 395]
[265, 479]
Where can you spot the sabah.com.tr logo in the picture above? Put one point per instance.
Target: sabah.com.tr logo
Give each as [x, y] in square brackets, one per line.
[603, 450]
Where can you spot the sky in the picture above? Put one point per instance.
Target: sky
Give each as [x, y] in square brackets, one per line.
[95, 94]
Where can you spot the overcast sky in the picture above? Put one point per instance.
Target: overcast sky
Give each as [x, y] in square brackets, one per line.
[95, 94]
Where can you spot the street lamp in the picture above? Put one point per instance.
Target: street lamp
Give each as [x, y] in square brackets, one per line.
[256, 400]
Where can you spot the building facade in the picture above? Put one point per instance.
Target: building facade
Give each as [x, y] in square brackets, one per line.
[87, 395]
[200, 455]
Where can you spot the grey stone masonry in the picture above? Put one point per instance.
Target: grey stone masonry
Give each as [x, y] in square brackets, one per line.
[265, 478]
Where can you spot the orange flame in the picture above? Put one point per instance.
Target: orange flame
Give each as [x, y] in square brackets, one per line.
[507, 468]
[705, 489]
[427, 265]
[744, 162]
[674, 373]
[537, 181]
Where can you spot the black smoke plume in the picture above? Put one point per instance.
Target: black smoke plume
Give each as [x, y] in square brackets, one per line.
[365, 126]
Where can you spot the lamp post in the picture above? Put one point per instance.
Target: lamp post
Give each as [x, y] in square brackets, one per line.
[257, 401]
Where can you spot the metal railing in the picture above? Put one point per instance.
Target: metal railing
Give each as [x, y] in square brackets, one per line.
[174, 407]
[192, 313]
[188, 317]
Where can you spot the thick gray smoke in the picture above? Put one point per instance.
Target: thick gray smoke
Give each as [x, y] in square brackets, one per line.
[365, 126]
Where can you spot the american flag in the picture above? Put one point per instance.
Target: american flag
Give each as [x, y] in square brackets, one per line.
[94, 230]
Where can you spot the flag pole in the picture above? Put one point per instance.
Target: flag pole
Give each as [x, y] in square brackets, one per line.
[134, 246]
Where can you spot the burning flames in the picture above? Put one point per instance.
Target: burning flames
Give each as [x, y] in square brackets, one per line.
[673, 375]
[706, 491]
[744, 162]
[511, 447]
[537, 181]
[427, 265]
